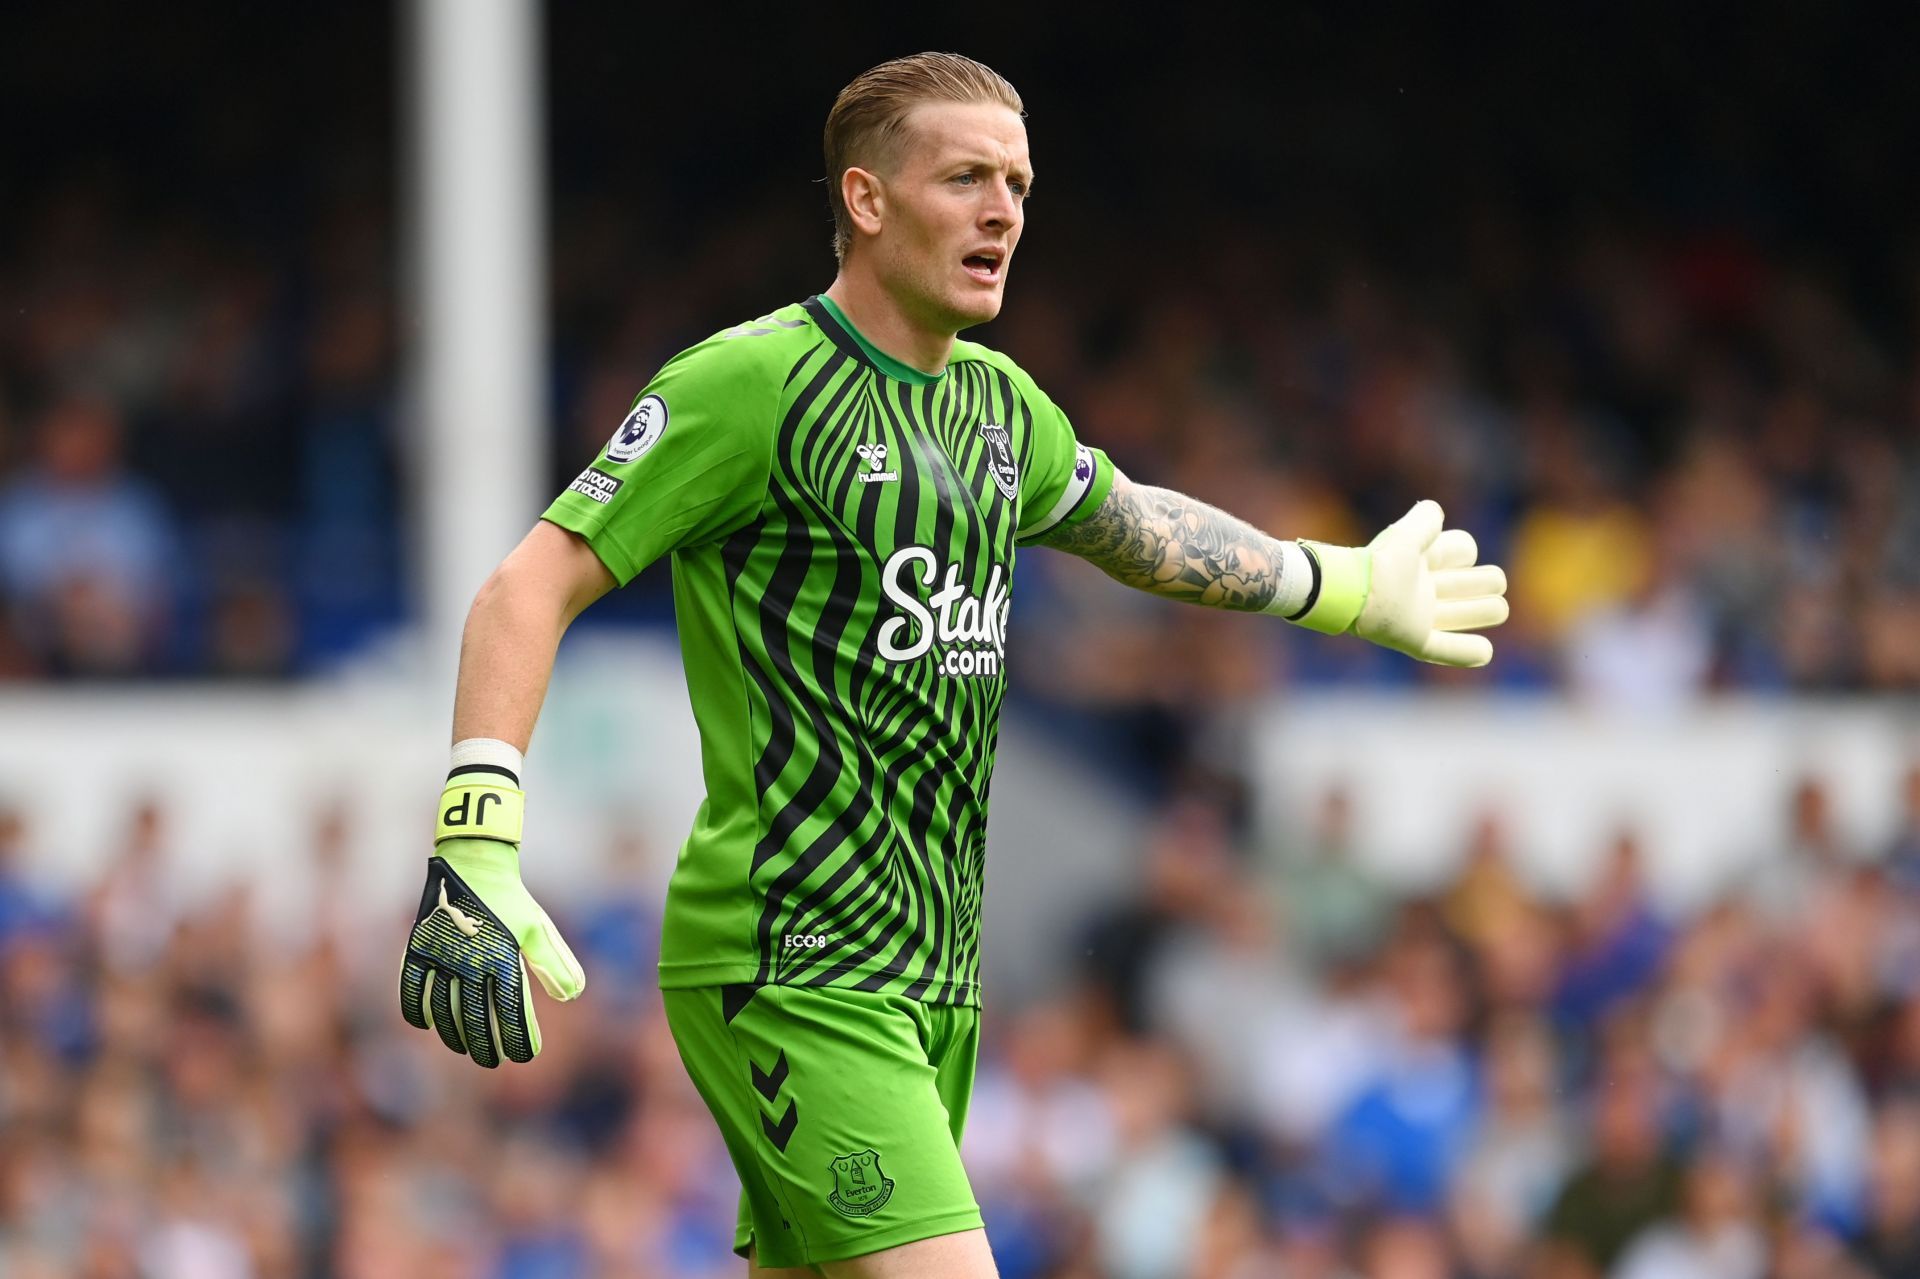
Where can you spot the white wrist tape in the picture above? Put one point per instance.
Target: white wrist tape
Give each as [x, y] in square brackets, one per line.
[1296, 581]
[488, 752]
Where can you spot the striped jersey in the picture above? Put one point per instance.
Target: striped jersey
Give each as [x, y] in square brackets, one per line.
[842, 530]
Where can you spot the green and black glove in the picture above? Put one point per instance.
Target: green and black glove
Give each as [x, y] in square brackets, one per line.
[479, 930]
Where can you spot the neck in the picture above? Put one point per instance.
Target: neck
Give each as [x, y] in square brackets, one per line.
[883, 322]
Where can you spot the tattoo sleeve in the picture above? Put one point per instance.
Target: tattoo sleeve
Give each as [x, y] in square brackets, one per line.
[1164, 542]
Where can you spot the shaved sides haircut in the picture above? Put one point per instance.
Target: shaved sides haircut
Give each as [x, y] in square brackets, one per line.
[868, 120]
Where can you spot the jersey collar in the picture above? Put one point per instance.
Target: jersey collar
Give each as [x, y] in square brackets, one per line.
[835, 324]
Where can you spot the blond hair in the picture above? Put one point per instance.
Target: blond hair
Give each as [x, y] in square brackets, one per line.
[868, 120]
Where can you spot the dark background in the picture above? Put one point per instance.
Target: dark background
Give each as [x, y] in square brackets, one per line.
[203, 228]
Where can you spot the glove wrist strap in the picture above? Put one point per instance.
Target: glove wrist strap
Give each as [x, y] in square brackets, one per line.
[480, 802]
[1342, 575]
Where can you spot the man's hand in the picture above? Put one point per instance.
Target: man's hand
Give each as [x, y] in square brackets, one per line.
[477, 933]
[1414, 589]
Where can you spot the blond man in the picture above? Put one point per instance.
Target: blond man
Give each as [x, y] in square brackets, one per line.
[842, 485]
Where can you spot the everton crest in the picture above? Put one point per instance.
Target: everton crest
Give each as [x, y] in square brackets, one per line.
[1000, 459]
[860, 1189]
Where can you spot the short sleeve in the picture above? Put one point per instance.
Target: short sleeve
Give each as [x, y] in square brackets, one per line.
[688, 464]
[1064, 481]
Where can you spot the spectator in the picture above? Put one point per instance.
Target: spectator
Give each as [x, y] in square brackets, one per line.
[1889, 1241]
[1519, 1155]
[1618, 941]
[1335, 907]
[87, 554]
[1902, 857]
[1151, 1203]
[1810, 856]
[21, 907]
[1628, 1182]
[1402, 1137]
[1716, 1236]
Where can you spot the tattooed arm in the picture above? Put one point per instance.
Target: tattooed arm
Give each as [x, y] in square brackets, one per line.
[1415, 588]
[1164, 542]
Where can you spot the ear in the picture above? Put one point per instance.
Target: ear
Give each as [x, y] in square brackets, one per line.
[865, 197]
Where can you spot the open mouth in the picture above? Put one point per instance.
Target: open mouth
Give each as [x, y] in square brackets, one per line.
[984, 267]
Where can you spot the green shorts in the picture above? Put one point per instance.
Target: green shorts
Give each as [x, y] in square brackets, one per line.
[842, 1111]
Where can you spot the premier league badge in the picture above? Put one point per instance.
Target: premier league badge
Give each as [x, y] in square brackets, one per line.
[1000, 459]
[639, 431]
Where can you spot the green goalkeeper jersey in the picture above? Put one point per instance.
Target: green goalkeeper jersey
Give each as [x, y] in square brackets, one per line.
[842, 529]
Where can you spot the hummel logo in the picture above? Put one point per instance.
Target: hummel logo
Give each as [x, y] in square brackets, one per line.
[460, 918]
[875, 456]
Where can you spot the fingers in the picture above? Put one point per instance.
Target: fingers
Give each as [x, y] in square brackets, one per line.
[1447, 648]
[517, 1028]
[1419, 525]
[476, 1023]
[477, 1018]
[1470, 615]
[440, 1014]
[1454, 548]
[413, 992]
[552, 961]
[1466, 583]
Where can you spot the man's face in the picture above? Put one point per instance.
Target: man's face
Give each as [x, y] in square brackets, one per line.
[952, 212]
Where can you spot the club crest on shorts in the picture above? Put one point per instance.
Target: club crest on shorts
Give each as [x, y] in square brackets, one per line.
[860, 1188]
[640, 430]
[1000, 458]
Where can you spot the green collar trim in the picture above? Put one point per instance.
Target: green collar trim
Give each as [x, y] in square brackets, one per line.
[881, 360]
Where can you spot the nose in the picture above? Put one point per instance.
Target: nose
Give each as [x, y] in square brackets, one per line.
[1002, 210]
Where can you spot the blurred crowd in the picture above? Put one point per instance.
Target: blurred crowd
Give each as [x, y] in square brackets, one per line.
[199, 467]
[1701, 466]
[1693, 438]
[197, 470]
[1259, 1063]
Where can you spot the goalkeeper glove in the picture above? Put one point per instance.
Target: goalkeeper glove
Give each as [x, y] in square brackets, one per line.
[1413, 589]
[479, 930]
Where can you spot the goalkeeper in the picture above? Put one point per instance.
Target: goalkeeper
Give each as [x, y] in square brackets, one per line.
[842, 485]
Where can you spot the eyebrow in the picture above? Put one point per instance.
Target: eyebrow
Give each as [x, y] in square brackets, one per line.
[976, 162]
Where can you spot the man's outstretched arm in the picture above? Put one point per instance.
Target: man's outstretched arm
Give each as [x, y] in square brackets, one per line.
[1415, 588]
[1170, 544]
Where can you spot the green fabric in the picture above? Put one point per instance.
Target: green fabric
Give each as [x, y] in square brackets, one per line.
[842, 1112]
[846, 734]
[1345, 573]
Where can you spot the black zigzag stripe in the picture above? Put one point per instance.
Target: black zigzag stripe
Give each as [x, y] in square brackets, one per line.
[767, 1082]
[776, 606]
[932, 902]
[827, 639]
[781, 1133]
[907, 509]
[779, 591]
[776, 627]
